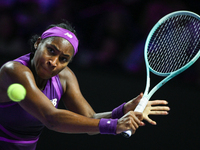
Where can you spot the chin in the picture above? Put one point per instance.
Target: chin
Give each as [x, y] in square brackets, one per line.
[44, 75]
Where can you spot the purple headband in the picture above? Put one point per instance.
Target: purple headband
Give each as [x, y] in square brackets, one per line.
[64, 33]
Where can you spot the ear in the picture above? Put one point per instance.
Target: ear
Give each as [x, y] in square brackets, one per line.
[37, 43]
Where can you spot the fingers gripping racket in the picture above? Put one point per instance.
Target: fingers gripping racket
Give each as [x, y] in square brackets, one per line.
[171, 47]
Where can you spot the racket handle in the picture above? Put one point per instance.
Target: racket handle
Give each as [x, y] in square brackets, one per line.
[142, 105]
[140, 108]
[127, 133]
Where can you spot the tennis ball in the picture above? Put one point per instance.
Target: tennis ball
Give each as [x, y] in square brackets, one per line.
[16, 92]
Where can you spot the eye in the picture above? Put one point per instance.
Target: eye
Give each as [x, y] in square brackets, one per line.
[64, 59]
[51, 50]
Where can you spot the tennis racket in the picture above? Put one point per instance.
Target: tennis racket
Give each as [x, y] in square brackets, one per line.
[171, 47]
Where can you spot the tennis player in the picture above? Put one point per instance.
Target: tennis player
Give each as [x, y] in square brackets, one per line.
[47, 78]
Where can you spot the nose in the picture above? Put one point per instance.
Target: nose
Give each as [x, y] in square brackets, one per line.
[53, 61]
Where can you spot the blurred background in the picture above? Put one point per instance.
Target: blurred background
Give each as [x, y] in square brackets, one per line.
[110, 66]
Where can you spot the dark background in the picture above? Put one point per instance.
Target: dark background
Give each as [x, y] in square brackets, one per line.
[109, 79]
[107, 89]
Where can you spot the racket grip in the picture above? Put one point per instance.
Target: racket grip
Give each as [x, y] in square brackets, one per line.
[142, 104]
[127, 133]
[140, 108]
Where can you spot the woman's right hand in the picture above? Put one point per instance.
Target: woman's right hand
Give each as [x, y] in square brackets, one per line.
[130, 121]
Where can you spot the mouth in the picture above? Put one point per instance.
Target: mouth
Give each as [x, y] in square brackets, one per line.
[47, 70]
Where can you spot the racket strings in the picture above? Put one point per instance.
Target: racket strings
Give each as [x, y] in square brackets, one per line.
[174, 43]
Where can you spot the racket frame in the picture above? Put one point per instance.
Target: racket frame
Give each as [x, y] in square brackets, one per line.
[167, 75]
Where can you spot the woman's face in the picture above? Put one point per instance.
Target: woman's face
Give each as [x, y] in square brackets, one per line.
[52, 56]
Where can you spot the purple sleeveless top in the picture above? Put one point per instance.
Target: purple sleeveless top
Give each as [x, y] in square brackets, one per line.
[19, 129]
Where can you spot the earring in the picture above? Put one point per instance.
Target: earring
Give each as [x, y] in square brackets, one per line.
[35, 46]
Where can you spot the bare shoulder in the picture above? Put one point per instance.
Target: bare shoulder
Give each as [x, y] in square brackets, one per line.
[13, 72]
[14, 69]
[66, 73]
[67, 78]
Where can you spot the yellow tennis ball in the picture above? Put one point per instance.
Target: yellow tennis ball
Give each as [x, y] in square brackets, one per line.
[16, 92]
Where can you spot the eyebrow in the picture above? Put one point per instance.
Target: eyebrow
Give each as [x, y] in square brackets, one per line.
[66, 55]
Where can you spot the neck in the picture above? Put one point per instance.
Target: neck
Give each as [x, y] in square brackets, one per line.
[41, 83]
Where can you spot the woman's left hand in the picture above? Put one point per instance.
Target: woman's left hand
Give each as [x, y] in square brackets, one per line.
[155, 108]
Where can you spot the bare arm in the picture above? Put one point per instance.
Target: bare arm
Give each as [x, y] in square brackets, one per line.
[38, 105]
[80, 118]
[74, 101]
[73, 98]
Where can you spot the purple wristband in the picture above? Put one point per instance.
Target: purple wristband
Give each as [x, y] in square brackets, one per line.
[108, 126]
[118, 112]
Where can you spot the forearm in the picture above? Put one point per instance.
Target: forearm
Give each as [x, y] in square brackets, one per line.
[103, 115]
[68, 122]
[118, 112]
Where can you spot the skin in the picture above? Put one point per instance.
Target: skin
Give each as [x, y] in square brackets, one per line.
[51, 58]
